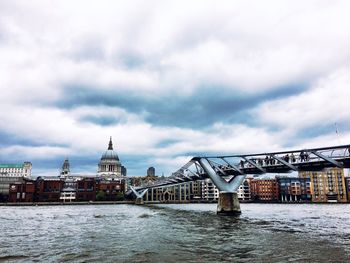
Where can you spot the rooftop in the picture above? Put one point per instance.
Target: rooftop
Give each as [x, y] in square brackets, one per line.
[11, 165]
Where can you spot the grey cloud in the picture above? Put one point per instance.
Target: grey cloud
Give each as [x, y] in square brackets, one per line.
[200, 110]
[102, 120]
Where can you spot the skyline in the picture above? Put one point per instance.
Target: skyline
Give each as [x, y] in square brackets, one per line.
[170, 80]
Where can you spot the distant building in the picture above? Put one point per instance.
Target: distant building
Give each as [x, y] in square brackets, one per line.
[184, 192]
[65, 171]
[347, 183]
[294, 189]
[109, 166]
[86, 189]
[141, 180]
[327, 186]
[265, 190]
[151, 171]
[110, 190]
[12, 173]
[243, 191]
[16, 170]
[48, 189]
[209, 191]
[196, 190]
[163, 194]
[22, 191]
[124, 170]
[69, 191]
[175, 193]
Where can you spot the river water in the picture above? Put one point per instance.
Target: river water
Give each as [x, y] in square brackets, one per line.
[175, 233]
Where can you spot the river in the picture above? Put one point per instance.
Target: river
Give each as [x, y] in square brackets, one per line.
[175, 233]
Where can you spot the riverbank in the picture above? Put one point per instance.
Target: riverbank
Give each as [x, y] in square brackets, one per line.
[69, 203]
[150, 202]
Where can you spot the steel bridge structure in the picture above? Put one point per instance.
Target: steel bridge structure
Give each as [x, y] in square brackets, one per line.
[227, 172]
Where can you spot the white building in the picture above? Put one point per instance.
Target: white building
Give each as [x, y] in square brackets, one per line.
[209, 190]
[243, 192]
[12, 173]
[16, 170]
[69, 190]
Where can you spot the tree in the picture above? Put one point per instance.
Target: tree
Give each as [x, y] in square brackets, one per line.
[120, 196]
[100, 196]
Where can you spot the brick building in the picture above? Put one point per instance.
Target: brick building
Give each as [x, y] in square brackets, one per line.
[48, 189]
[265, 190]
[22, 191]
[110, 190]
[86, 189]
[327, 186]
[294, 189]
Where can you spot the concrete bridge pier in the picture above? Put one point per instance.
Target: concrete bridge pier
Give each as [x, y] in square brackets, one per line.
[139, 201]
[139, 196]
[228, 204]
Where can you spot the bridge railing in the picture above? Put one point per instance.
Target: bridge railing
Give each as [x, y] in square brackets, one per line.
[284, 161]
[279, 158]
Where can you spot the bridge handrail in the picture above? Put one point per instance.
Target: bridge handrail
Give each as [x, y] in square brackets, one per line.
[313, 155]
[347, 146]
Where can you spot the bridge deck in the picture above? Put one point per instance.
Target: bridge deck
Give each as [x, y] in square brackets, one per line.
[230, 166]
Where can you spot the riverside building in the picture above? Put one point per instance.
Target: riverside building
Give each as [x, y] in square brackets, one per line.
[243, 192]
[327, 186]
[16, 170]
[294, 189]
[12, 173]
[209, 191]
[347, 183]
[69, 190]
[265, 190]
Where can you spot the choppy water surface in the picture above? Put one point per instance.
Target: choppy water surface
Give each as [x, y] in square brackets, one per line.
[173, 233]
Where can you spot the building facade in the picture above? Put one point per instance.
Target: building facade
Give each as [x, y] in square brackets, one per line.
[243, 192]
[209, 191]
[294, 189]
[68, 192]
[347, 183]
[327, 186]
[151, 171]
[110, 190]
[264, 190]
[48, 189]
[22, 191]
[86, 189]
[16, 170]
[12, 173]
[184, 192]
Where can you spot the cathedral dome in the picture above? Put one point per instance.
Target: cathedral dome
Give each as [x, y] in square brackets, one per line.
[110, 154]
[109, 165]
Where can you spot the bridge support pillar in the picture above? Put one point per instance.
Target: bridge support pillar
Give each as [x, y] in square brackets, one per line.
[139, 201]
[228, 204]
[139, 196]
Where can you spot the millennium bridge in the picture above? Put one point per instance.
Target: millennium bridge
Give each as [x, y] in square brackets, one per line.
[228, 172]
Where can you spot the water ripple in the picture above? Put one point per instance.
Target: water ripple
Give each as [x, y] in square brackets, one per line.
[173, 233]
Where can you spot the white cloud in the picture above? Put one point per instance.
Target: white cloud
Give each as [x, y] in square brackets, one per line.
[325, 103]
[34, 152]
[158, 48]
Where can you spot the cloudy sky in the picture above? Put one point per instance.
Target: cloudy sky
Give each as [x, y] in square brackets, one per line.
[169, 80]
